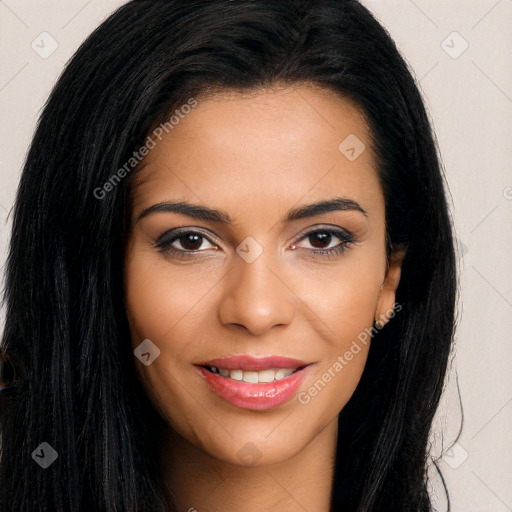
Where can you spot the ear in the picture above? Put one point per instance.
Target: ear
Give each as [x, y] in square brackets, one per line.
[386, 300]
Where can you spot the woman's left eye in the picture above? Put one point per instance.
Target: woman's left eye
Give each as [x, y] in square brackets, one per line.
[191, 242]
[321, 240]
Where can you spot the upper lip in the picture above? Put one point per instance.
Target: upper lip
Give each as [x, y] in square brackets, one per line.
[246, 362]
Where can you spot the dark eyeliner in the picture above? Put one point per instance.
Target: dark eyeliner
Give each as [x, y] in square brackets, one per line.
[164, 242]
[346, 239]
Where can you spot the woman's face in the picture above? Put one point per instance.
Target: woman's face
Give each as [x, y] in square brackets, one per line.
[234, 302]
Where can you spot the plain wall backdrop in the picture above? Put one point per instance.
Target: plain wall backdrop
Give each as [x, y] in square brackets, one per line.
[459, 50]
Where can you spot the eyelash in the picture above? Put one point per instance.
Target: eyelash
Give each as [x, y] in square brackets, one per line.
[164, 244]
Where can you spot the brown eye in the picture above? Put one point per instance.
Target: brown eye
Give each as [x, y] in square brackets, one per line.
[320, 239]
[184, 243]
[191, 241]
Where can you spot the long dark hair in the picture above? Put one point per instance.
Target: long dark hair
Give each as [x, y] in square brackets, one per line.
[66, 333]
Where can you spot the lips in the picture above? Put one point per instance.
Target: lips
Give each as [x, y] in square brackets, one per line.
[254, 382]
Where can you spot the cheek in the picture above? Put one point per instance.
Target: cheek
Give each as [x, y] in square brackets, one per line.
[341, 300]
[167, 305]
[160, 307]
[340, 305]
[160, 297]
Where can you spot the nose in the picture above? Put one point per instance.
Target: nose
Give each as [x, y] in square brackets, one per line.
[256, 297]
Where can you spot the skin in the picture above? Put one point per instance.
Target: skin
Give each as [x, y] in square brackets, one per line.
[256, 155]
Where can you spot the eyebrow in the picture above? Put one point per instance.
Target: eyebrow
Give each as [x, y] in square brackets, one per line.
[206, 213]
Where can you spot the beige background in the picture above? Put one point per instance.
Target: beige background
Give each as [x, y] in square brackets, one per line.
[469, 95]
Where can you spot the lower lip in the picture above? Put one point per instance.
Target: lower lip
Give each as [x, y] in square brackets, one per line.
[254, 396]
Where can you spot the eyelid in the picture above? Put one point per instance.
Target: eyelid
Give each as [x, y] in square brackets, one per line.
[177, 232]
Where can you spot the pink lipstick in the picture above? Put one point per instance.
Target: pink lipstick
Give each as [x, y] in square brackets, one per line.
[254, 382]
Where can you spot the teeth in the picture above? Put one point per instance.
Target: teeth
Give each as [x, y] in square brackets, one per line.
[251, 377]
[266, 376]
[254, 377]
[282, 373]
[236, 374]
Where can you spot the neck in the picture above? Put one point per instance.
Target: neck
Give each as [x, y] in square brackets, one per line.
[201, 483]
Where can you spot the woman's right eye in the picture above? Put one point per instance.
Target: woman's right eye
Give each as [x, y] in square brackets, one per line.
[189, 241]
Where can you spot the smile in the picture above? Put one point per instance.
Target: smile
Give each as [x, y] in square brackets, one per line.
[254, 383]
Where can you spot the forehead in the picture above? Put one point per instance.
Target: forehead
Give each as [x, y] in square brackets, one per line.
[278, 144]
